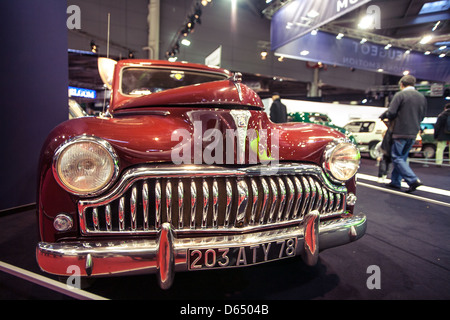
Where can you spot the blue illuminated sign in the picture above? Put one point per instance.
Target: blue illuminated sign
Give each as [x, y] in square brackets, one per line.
[82, 93]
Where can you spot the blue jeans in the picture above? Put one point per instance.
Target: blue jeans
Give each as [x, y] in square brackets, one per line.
[399, 154]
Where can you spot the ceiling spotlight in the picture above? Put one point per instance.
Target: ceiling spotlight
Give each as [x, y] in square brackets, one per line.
[442, 55]
[304, 53]
[313, 14]
[185, 42]
[280, 58]
[94, 47]
[405, 73]
[408, 51]
[380, 70]
[173, 59]
[427, 53]
[264, 54]
[426, 39]
[340, 36]
[366, 22]
[314, 32]
[363, 40]
[388, 46]
[442, 47]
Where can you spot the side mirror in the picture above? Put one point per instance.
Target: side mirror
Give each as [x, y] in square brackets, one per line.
[106, 69]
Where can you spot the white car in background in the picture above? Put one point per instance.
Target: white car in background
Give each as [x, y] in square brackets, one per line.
[369, 132]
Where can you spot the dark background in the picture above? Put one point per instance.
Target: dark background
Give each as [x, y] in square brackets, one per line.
[33, 94]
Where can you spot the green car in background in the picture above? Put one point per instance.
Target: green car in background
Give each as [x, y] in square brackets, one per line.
[319, 118]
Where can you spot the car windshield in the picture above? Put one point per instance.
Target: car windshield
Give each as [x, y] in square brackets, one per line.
[142, 81]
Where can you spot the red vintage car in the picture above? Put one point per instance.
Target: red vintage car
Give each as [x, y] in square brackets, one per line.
[186, 172]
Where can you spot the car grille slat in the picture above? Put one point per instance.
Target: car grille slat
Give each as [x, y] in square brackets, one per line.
[211, 204]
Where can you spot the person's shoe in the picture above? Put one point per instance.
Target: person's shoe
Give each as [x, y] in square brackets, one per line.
[392, 186]
[413, 186]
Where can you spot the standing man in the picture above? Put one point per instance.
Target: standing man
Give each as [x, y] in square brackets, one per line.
[407, 109]
[442, 133]
[278, 113]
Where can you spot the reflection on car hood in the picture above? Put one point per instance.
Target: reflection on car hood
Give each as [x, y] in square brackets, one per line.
[221, 93]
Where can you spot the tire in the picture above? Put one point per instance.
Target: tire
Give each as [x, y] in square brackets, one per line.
[372, 150]
[429, 151]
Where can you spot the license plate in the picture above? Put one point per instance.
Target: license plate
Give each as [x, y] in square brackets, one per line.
[226, 257]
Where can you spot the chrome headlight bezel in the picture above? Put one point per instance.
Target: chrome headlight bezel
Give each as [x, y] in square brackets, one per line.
[96, 142]
[329, 162]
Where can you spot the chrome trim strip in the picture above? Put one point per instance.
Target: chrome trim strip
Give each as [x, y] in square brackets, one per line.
[145, 203]
[254, 201]
[298, 198]
[273, 188]
[215, 204]
[290, 199]
[180, 204]
[265, 200]
[122, 214]
[242, 195]
[169, 201]
[205, 203]
[108, 217]
[193, 203]
[157, 204]
[282, 198]
[133, 208]
[95, 218]
[229, 190]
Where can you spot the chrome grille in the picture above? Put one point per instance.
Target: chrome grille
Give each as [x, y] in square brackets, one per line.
[211, 199]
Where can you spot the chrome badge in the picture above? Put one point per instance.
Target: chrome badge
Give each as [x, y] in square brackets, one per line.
[241, 118]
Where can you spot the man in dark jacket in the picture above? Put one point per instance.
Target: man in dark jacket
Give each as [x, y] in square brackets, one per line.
[442, 133]
[278, 113]
[407, 109]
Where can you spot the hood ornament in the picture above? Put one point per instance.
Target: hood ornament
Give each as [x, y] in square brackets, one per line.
[241, 118]
[237, 79]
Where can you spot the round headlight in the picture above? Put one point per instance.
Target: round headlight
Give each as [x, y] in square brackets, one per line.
[342, 160]
[85, 165]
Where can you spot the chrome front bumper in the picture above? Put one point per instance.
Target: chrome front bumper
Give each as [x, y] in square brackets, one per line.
[169, 254]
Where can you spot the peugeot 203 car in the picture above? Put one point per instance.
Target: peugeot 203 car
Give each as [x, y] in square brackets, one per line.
[186, 172]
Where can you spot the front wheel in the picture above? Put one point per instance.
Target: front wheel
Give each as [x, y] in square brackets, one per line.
[373, 150]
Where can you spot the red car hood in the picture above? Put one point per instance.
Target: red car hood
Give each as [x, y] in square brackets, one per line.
[210, 94]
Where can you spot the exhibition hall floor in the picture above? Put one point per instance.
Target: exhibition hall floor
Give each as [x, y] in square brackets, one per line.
[407, 243]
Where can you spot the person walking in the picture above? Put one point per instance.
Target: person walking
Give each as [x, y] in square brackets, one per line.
[278, 112]
[406, 110]
[442, 133]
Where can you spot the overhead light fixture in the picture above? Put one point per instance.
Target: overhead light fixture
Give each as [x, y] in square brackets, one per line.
[363, 40]
[405, 73]
[314, 32]
[340, 36]
[185, 42]
[366, 22]
[173, 59]
[426, 39]
[264, 54]
[94, 47]
[435, 26]
[442, 47]
[442, 55]
[388, 46]
[281, 58]
[304, 53]
[380, 70]
[427, 53]
[408, 51]
[312, 14]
